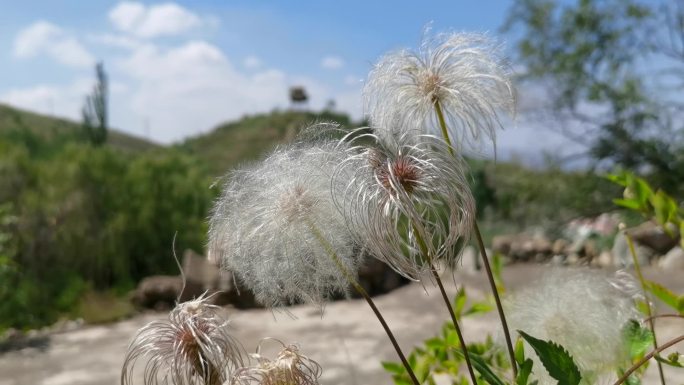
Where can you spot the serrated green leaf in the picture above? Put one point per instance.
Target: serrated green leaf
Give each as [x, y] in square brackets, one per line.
[524, 372]
[639, 340]
[557, 361]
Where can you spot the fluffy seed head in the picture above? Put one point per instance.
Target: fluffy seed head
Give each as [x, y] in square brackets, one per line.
[406, 198]
[290, 367]
[191, 347]
[584, 311]
[275, 225]
[462, 72]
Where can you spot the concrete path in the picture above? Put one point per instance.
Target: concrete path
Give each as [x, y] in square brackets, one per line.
[347, 340]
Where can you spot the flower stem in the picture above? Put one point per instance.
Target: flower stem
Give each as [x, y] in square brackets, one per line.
[483, 253]
[357, 286]
[443, 126]
[647, 357]
[649, 312]
[435, 275]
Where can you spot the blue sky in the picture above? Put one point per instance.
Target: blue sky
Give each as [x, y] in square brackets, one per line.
[180, 68]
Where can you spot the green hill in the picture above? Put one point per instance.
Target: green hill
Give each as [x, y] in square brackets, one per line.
[247, 139]
[15, 122]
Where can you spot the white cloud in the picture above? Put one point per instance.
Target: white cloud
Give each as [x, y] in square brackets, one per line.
[252, 62]
[115, 40]
[44, 38]
[153, 21]
[191, 88]
[332, 62]
[60, 100]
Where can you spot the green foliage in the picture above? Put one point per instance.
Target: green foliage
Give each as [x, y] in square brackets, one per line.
[639, 340]
[524, 197]
[93, 218]
[656, 205]
[442, 354]
[557, 361]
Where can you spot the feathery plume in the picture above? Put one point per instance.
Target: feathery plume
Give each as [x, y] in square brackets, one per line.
[581, 309]
[275, 226]
[290, 367]
[461, 73]
[191, 347]
[408, 198]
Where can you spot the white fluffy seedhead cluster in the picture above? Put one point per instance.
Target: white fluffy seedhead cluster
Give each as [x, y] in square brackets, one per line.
[290, 367]
[582, 310]
[191, 347]
[463, 72]
[407, 197]
[275, 226]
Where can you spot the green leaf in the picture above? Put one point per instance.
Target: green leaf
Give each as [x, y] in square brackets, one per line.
[481, 366]
[524, 372]
[519, 351]
[665, 295]
[459, 302]
[627, 203]
[479, 308]
[393, 367]
[557, 361]
[639, 340]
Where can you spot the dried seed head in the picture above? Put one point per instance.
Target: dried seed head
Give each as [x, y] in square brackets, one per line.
[290, 367]
[581, 309]
[268, 224]
[463, 72]
[406, 197]
[191, 347]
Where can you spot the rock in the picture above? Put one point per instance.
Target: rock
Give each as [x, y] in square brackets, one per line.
[378, 278]
[502, 244]
[673, 260]
[622, 257]
[605, 260]
[560, 247]
[653, 236]
[158, 292]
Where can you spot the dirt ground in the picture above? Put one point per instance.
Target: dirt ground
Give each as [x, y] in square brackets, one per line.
[347, 340]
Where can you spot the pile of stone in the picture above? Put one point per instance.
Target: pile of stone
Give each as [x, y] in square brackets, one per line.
[202, 277]
[653, 246]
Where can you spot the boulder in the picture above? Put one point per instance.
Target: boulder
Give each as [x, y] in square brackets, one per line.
[673, 260]
[158, 292]
[653, 236]
[378, 278]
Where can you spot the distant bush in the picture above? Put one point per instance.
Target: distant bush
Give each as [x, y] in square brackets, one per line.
[87, 217]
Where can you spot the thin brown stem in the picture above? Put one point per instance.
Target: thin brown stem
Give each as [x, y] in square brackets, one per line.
[649, 312]
[495, 292]
[647, 357]
[357, 286]
[654, 317]
[424, 250]
[483, 253]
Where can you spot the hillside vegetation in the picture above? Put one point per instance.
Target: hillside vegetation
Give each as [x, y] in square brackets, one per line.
[19, 124]
[77, 219]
